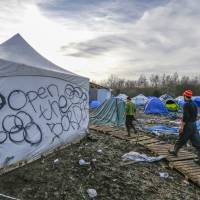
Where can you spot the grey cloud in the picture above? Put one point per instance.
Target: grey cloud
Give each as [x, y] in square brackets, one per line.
[96, 46]
[110, 10]
[145, 36]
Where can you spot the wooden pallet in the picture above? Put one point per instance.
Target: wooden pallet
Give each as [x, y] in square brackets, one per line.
[189, 169]
[140, 138]
[149, 141]
[183, 162]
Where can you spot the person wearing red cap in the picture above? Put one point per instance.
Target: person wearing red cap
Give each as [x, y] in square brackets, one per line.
[130, 111]
[188, 129]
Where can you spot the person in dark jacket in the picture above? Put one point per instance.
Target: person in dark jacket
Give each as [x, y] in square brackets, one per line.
[130, 111]
[188, 129]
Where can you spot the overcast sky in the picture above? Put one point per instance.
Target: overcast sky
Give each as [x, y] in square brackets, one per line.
[97, 38]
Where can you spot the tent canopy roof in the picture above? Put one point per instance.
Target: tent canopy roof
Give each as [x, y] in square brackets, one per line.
[17, 50]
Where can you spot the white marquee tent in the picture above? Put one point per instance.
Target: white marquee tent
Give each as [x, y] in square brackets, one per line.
[42, 105]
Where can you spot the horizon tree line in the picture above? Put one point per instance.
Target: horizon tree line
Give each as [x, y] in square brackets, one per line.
[155, 85]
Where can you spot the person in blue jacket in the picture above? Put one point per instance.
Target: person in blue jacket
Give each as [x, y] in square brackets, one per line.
[188, 129]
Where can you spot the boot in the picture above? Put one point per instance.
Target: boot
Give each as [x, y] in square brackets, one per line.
[174, 151]
[197, 160]
[128, 130]
[135, 130]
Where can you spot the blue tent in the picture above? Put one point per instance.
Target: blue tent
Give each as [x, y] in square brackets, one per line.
[151, 97]
[155, 106]
[140, 100]
[95, 104]
[197, 100]
[165, 97]
[181, 103]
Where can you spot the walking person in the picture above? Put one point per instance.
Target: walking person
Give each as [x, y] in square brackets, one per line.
[188, 129]
[130, 111]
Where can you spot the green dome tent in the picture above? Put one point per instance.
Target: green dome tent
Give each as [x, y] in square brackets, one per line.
[171, 105]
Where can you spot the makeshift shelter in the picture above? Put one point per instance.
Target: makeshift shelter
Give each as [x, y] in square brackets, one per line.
[179, 98]
[180, 101]
[155, 106]
[171, 105]
[165, 97]
[42, 105]
[151, 97]
[140, 100]
[123, 97]
[196, 99]
[98, 93]
[111, 112]
[103, 94]
[94, 104]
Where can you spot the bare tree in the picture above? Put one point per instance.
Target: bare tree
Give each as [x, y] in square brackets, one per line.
[155, 85]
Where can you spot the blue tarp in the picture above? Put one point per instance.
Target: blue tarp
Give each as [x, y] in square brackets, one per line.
[157, 129]
[155, 106]
[165, 97]
[198, 125]
[151, 97]
[162, 129]
[181, 103]
[95, 104]
[197, 101]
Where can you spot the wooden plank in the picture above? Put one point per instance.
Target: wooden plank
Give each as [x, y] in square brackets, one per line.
[161, 146]
[159, 143]
[141, 138]
[180, 154]
[194, 173]
[156, 149]
[189, 165]
[194, 169]
[184, 162]
[118, 132]
[191, 173]
[119, 135]
[106, 131]
[180, 158]
[150, 141]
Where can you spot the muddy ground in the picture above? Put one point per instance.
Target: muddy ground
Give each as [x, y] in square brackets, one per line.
[108, 176]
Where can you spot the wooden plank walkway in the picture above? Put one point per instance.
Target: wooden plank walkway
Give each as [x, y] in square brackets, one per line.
[183, 162]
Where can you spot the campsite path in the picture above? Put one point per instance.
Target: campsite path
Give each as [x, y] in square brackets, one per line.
[183, 162]
[109, 177]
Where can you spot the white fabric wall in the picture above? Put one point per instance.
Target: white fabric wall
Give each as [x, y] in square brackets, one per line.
[40, 113]
[103, 94]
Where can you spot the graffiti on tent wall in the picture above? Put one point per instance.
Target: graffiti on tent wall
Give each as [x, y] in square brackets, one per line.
[61, 110]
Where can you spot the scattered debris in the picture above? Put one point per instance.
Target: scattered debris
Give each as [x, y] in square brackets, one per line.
[99, 151]
[83, 162]
[56, 163]
[164, 174]
[109, 179]
[92, 193]
[135, 156]
[8, 197]
[186, 183]
[93, 163]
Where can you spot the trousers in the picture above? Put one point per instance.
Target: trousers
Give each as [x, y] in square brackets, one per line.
[190, 133]
[129, 123]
